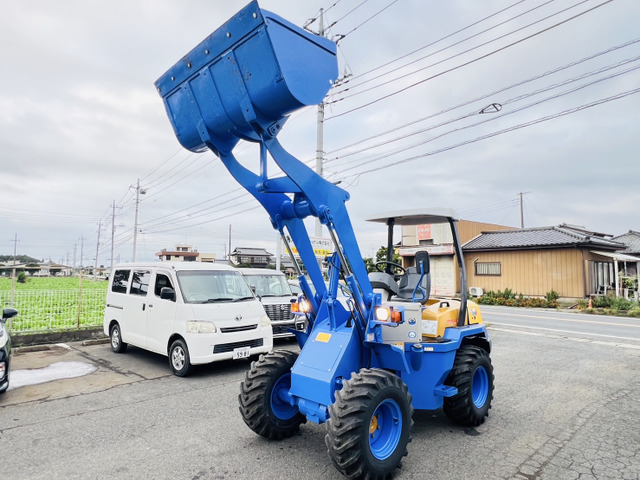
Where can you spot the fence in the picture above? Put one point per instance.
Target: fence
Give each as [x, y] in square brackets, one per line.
[54, 310]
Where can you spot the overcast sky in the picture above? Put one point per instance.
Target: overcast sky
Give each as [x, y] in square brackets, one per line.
[81, 122]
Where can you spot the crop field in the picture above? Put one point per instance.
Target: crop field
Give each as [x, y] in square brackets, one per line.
[54, 283]
[50, 304]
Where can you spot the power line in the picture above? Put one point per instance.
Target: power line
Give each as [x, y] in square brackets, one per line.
[470, 62]
[435, 42]
[503, 103]
[505, 130]
[340, 37]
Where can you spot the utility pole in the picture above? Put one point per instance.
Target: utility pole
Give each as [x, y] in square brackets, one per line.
[95, 265]
[320, 133]
[229, 257]
[81, 252]
[521, 194]
[113, 230]
[13, 270]
[135, 223]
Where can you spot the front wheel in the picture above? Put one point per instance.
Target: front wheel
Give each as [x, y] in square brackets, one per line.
[179, 359]
[370, 425]
[264, 401]
[117, 345]
[472, 375]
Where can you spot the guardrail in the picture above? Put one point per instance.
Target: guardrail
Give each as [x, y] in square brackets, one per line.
[54, 310]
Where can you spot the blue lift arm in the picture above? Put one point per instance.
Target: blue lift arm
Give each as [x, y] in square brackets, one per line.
[242, 82]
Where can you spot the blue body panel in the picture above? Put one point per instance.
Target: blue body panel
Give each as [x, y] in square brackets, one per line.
[424, 366]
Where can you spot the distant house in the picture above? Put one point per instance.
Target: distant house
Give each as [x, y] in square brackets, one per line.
[184, 253]
[632, 243]
[256, 257]
[570, 260]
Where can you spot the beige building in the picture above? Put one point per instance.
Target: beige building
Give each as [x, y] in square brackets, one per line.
[185, 253]
[569, 260]
[437, 240]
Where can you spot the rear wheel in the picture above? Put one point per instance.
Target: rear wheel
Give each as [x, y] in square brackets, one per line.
[117, 345]
[264, 401]
[179, 359]
[472, 375]
[370, 425]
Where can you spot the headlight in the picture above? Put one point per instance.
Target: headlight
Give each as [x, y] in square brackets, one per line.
[382, 313]
[265, 321]
[302, 306]
[385, 314]
[197, 326]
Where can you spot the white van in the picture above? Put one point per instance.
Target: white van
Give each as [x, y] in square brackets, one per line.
[192, 312]
[275, 293]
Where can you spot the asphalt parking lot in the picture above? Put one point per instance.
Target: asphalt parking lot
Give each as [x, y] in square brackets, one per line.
[563, 409]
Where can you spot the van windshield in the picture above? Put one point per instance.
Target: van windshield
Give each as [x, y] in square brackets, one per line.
[267, 285]
[212, 286]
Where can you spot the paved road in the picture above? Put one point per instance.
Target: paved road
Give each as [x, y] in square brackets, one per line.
[620, 331]
[565, 407]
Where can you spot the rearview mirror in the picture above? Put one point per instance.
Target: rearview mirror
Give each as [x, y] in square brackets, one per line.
[422, 257]
[8, 313]
[167, 293]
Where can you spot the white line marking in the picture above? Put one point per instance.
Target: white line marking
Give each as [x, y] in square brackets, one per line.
[561, 331]
[563, 319]
[573, 339]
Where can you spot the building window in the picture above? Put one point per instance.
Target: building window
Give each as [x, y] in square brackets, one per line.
[488, 268]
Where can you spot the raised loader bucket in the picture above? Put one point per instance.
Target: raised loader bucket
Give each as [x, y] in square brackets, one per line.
[244, 79]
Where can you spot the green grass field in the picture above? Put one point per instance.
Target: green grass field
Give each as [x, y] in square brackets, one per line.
[54, 283]
[48, 304]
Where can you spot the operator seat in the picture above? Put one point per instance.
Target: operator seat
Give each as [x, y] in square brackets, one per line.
[408, 282]
[385, 282]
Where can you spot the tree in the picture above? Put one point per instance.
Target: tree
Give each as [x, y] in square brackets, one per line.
[381, 255]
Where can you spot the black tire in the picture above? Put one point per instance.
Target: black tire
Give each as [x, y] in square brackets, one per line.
[261, 408]
[472, 375]
[370, 425]
[179, 359]
[117, 345]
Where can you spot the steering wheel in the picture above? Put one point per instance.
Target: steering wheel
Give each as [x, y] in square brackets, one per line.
[396, 266]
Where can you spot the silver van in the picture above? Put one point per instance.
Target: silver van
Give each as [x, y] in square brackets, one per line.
[194, 313]
[274, 291]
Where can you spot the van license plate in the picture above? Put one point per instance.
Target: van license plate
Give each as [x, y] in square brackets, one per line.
[242, 352]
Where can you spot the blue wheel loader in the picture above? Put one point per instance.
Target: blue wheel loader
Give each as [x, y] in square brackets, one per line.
[365, 364]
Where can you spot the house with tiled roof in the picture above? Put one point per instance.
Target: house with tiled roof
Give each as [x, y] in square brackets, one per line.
[569, 260]
[629, 268]
[254, 257]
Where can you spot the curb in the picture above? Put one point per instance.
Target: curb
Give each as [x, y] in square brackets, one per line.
[89, 334]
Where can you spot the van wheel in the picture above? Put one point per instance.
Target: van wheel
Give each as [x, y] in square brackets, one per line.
[117, 345]
[179, 358]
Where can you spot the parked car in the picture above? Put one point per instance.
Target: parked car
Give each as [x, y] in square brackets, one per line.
[5, 348]
[274, 291]
[194, 313]
[295, 287]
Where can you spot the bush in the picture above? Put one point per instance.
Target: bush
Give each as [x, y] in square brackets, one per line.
[22, 277]
[552, 296]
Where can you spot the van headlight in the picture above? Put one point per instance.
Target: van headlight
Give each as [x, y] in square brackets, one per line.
[265, 321]
[198, 326]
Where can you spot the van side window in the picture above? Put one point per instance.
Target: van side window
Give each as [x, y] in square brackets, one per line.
[161, 282]
[120, 281]
[140, 282]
